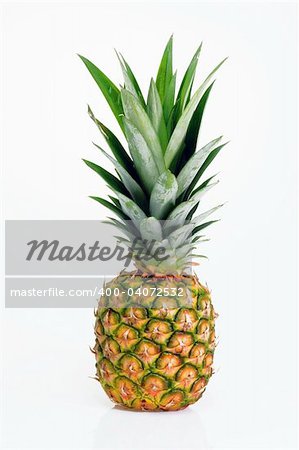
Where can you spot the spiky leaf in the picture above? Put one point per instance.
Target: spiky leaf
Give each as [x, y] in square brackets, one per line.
[179, 236]
[110, 206]
[194, 127]
[114, 200]
[116, 147]
[187, 82]
[164, 75]
[142, 156]
[199, 219]
[179, 215]
[204, 185]
[203, 225]
[155, 113]
[150, 229]
[108, 88]
[131, 185]
[131, 209]
[202, 169]
[163, 195]
[168, 102]
[110, 179]
[130, 80]
[190, 169]
[177, 138]
[135, 113]
[121, 226]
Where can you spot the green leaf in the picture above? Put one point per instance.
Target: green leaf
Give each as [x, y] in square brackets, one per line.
[136, 114]
[116, 147]
[115, 201]
[110, 206]
[196, 255]
[203, 225]
[131, 209]
[127, 226]
[110, 179]
[142, 156]
[199, 219]
[204, 185]
[169, 98]
[122, 240]
[163, 195]
[155, 113]
[179, 215]
[170, 122]
[150, 229]
[187, 82]
[179, 133]
[124, 228]
[109, 90]
[131, 185]
[164, 75]
[200, 188]
[194, 127]
[179, 236]
[204, 166]
[190, 170]
[198, 238]
[192, 212]
[130, 81]
[184, 250]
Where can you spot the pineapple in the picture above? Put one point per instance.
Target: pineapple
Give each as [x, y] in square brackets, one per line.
[155, 331]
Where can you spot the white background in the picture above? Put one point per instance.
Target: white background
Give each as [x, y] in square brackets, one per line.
[48, 399]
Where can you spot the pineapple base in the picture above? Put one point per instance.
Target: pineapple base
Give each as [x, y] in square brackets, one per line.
[155, 357]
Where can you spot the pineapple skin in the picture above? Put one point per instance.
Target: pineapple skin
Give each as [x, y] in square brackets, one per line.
[155, 358]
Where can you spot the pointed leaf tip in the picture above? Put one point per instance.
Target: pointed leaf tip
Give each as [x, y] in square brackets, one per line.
[165, 73]
[108, 88]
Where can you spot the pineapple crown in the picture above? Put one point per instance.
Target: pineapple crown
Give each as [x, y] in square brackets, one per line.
[159, 184]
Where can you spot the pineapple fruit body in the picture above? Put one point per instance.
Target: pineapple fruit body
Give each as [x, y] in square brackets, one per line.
[158, 356]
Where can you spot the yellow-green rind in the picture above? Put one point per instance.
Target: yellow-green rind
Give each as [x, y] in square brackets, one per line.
[156, 359]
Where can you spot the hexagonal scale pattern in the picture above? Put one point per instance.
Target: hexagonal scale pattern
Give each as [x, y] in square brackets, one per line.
[157, 357]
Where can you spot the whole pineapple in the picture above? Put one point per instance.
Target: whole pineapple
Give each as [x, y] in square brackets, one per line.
[155, 331]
